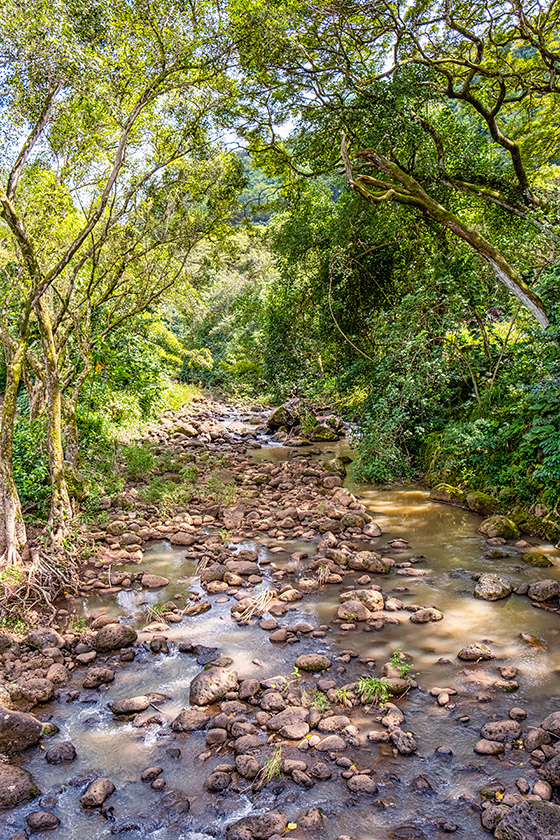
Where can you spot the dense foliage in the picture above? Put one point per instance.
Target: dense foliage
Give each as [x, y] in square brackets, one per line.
[352, 201]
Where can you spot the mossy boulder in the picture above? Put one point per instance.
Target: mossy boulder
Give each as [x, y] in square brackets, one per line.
[499, 526]
[537, 520]
[323, 432]
[336, 465]
[286, 415]
[537, 558]
[447, 493]
[482, 503]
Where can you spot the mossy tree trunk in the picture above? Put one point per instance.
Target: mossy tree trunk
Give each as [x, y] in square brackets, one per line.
[12, 528]
[61, 507]
[69, 414]
[35, 388]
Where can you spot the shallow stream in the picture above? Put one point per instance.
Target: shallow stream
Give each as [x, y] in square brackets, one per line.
[445, 543]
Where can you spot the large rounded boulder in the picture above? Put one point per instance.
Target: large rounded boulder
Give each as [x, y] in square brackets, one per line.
[492, 587]
[16, 786]
[114, 637]
[530, 820]
[18, 731]
[211, 686]
[258, 828]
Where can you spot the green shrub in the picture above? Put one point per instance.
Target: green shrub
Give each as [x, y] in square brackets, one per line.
[31, 464]
[140, 461]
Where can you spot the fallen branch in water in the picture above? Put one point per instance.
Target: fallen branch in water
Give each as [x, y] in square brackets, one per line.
[258, 605]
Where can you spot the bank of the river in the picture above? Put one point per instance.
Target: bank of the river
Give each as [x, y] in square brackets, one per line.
[289, 653]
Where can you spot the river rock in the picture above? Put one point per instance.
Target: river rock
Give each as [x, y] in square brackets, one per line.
[334, 723]
[372, 529]
[41, 821]
[150, 774]
[247, 766]
[530, 820]
[332, 743]
[362, 784]
[313, 662]
[552, 724]
[97, 792]
[486, 747]
[492, 815]
[371, 598]
[367, 561]
[291, 723]
[258, 828]
[42, 637]
[535, 738]
[544, 590]
[543, 789]
[248, 688]
[18, 731]
[98, 676]
[393, 716]
[134, 705]
[150, 581]
[397, 686]
[425, 615]
[353, 611]
[243, 567]
[212, 685]
[492, 587]
[405, 742]
[16, 786]
[182, 538]
[114, 637]
[189, 720]
[37, 689]
[247, 743]
[58, 674]
[501, 730]
[218, 781]
[551, 771]
[287, 415]
[312, 820]
[61, 753]
[279, 635]
[474, 652]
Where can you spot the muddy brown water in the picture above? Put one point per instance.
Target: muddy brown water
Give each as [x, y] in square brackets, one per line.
[445, 542]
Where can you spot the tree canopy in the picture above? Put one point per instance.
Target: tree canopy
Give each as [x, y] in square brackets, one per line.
[349, 199]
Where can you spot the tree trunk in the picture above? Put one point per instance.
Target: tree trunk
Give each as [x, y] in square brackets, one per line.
[61, 509]
[70, 406]
[35, 396]
[13, 538]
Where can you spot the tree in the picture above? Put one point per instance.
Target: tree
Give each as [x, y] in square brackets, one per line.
[390, 78]
[108, 98]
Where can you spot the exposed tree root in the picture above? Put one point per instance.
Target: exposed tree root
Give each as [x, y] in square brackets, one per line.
[36, 584]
